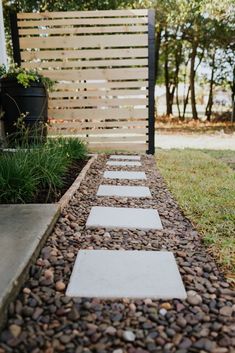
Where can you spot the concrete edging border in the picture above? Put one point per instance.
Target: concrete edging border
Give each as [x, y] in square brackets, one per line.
[63, 202]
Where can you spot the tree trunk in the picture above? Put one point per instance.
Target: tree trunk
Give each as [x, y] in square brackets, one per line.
[186, 103]
[233, 97]
[157, 50]
[167, 79]
[177, 100]
[178, 58]
[167, 85]
[210, 98]
[192, 80]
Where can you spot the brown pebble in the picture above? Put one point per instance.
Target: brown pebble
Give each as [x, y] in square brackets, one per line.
[15, 330]
[60, 286]
[26, 290]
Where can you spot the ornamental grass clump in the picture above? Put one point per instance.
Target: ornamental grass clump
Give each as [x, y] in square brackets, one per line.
[18, 183]
[73, 147]
[28, 171]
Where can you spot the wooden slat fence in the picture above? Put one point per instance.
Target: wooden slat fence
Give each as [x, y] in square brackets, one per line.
[100, 60]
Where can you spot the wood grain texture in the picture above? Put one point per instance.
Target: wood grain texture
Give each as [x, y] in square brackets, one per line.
[82, 21]
[97, 74]
[82, 14]
[99, 125]
[97, 102]
[128, 28]
[83, 41]
[98, 114]
[84, 54]
[103, 92]
[86, 63]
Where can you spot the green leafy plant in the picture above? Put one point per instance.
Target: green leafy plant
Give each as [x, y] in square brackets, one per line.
[24, 76]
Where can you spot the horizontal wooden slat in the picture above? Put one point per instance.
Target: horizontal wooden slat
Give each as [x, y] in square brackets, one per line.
[100, 126]
[106, 139]
[96, 102]
[97, 74]
[91, 41]
[83, 21]
[111, 131]
[74, 14]
[99, 93]
[131, 147]
[83, 63]
[93, 85]
[84, 30]
[85, 54]
[98, 114]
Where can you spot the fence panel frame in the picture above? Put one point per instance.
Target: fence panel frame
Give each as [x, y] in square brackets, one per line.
[150, 119]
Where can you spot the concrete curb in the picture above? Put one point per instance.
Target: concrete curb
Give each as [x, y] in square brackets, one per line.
[22, 272]
[74, 187]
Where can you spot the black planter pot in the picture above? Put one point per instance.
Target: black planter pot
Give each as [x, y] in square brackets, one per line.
[32, 101]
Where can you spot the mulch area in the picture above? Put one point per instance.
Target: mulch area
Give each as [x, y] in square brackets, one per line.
[43, 319]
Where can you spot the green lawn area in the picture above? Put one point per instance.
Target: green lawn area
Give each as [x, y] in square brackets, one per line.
[226, 156]
[204, 187]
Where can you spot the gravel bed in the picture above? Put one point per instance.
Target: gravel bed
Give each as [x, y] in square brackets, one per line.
[42, 319]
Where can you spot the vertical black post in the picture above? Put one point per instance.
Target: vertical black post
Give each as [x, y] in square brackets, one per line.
[15, 38]
[151, 79]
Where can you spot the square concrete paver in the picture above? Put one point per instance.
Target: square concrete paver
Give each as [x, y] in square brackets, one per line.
[124, 163]
[124, 175]
[118, 217]
[125, 157]
[123, 191]
[126, 274]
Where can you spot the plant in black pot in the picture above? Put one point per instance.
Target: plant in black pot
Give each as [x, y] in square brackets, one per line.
[24, 105]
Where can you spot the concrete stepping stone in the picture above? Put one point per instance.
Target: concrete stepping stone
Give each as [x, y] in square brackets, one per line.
[124, 163]
[125, 157]
[123, 191]
[119, 217]
[124, 175]
[126, 274]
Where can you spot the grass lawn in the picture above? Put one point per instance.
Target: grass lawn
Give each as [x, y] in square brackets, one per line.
[226, 156]
[204, 187]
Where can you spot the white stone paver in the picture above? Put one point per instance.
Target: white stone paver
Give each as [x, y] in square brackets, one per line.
[124, 163]
[128, 274]
[119, 217]
[125, 157]
[124, 175]
[123, 191]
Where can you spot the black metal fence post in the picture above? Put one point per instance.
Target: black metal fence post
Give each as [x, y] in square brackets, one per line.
[151, 79]
[15, 38]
